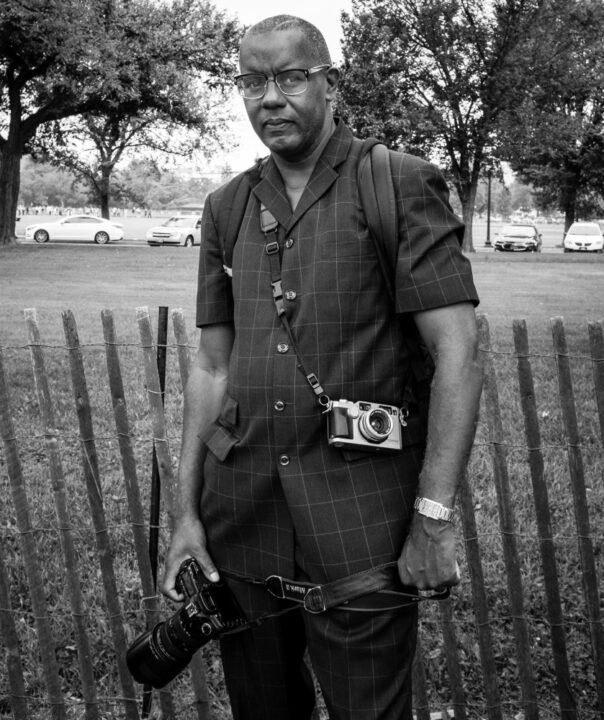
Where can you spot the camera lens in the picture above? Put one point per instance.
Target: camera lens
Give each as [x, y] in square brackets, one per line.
[158, 656]
[375, 425]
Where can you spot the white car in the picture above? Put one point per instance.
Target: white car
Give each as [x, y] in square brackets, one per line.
[76, 227]
[584, 237]
[177, 230]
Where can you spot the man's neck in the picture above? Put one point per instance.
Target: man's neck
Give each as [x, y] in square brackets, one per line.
[297, 174]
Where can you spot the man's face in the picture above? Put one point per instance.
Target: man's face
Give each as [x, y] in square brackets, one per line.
[291, 126]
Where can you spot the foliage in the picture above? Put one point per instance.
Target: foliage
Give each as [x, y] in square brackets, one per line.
[141, 183]
[43, 184]
[123, 63]
[554, 138]
[433, 77]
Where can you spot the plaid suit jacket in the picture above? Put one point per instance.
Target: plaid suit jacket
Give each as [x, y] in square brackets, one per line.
[275, 495]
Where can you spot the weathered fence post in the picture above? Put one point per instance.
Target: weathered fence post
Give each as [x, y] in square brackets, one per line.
[30, 554]
[182, 343]
[97, 510]
[452, 656]
[577, 479]
[10, 638]
[596, 343]
[66, 531]
[150, 600]
[481, 605]
[568, 705]
[508, 529]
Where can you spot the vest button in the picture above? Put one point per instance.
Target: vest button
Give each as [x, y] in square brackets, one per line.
[282, 347]
[290, 295]
[279, 405]
[284, 460]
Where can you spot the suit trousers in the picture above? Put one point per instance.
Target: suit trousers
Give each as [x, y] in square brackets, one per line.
[362, 661]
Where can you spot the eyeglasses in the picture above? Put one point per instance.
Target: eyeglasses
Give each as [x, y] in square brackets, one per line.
[294, 81]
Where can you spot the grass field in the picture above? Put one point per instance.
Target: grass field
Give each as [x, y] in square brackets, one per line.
[88, 279]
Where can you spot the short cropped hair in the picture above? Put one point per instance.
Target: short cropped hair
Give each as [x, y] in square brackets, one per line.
[313, 38]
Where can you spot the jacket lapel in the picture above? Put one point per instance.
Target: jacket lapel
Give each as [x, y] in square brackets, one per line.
[271, 190]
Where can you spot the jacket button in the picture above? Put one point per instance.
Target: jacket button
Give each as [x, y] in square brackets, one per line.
[284, 460]
[282, 347]
[279, 405]
[290, 295]
[289, 243]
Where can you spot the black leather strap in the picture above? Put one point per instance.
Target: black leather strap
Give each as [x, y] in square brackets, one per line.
[317, 598]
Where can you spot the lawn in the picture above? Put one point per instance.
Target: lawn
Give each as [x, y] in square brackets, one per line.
[88, 279]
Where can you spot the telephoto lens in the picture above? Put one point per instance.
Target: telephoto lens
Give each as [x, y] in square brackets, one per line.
[158, 656]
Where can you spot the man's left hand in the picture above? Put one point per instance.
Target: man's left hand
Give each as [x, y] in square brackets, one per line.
[429, 557]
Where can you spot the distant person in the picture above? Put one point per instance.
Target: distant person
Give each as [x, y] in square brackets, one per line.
[261, 490]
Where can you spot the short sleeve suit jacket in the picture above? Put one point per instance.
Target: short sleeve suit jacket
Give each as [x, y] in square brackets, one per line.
[275, 495]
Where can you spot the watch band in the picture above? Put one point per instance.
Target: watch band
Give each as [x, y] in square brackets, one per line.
[433, 509]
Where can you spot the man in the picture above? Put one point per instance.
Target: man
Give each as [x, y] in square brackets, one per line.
[262, 492]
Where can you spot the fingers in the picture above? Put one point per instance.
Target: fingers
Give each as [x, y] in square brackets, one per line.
[168, 584]
[208, 568]
[428, 573]
[188, 540]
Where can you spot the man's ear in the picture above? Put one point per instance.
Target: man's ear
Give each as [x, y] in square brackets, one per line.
[333, 80]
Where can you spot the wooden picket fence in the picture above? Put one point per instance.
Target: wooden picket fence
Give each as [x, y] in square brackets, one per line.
[522, 636]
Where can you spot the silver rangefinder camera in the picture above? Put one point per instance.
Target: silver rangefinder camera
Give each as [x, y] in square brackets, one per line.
[365, 426]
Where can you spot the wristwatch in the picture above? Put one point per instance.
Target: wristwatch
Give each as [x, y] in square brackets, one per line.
[432, 509]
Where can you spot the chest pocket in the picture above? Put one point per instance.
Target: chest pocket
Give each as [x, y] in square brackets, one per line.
[347, 246]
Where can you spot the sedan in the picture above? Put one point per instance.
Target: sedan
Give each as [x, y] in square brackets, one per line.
[177, 230]
[518, 238]
[76, 227]
[583, 237]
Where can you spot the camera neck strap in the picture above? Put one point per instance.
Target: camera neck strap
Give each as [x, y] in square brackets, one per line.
[270, 228]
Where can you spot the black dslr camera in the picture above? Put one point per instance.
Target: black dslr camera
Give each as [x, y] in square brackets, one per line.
[210, 609]
[365, 426]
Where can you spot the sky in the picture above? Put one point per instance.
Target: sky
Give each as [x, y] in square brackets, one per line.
[325, 14]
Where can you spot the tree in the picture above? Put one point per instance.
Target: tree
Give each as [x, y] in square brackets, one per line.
[433, 77]
[144, 184]
[92, 146]
[554, 139]
[47, 185]
[112, 59]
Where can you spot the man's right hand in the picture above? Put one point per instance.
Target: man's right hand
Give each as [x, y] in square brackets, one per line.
[188, 540]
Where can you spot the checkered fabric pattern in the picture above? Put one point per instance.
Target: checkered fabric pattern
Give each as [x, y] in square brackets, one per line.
[362, 661]
[275, 495]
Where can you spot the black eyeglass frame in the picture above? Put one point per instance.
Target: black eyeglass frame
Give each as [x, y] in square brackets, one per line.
[307, 73]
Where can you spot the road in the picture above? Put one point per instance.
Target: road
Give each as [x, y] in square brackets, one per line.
[136, 227]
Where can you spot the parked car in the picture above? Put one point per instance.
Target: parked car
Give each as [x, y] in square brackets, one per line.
[76, 227]
[583, 237]
[177, 230]
[518, 237]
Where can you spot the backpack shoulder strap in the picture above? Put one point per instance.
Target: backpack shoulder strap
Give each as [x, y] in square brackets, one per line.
[378, 200]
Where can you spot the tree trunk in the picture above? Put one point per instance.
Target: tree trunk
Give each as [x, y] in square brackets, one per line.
[10, 176]
[468, 217]
[104, 186]
[467, 197]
